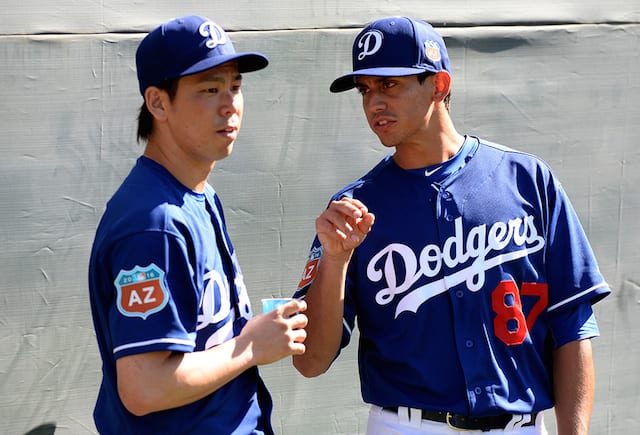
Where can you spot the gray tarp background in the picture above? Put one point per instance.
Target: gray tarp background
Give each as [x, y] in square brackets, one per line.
[558, 79]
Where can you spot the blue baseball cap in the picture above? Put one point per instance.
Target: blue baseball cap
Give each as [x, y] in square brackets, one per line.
[188, 45]
[395, 46]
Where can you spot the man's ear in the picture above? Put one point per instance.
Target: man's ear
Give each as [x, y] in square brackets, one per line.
[442, 85]
[155, 99]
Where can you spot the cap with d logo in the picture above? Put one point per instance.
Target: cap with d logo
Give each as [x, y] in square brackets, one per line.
[395, 46]
[188, 45]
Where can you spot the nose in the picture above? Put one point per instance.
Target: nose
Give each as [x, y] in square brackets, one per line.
[373, 102]
[230, 102]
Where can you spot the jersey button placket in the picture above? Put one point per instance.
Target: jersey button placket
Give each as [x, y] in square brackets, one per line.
[447, 205]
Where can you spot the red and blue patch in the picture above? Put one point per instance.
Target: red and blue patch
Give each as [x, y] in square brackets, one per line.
[311, 268]
[141, 291]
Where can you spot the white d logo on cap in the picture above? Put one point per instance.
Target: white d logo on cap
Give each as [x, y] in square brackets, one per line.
[216, 35]
[370, 43]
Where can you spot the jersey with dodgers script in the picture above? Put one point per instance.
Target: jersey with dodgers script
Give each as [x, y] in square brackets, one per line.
[164, 276]
[470, 276]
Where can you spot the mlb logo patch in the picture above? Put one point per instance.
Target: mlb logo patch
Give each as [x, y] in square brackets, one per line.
[141, 291]
[432, 50]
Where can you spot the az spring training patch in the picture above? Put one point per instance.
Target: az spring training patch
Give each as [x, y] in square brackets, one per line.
[141, 291]
[311, 268]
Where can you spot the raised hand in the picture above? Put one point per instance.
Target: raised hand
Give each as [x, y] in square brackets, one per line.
[343, 226]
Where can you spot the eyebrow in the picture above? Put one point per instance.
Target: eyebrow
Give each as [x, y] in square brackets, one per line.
[213, 77]
[377, 79]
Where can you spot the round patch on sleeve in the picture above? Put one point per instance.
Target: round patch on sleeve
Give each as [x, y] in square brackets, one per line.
[141, 291]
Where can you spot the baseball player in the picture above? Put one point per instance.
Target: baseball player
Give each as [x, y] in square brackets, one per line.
[179, 344]
[462, 260]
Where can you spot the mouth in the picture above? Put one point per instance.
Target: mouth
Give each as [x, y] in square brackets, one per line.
[382, 124]
[229, 131]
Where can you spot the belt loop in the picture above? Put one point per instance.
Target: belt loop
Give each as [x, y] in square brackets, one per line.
[409, 416]
[415, 417]
[403, 415]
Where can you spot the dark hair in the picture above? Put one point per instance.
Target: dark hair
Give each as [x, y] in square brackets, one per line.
[423, 76]
[145, 118]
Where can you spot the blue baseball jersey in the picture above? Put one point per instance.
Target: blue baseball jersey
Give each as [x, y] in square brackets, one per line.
[473, 272]
[163, 276]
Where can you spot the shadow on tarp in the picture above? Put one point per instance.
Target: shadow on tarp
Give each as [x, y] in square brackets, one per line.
[43, 429]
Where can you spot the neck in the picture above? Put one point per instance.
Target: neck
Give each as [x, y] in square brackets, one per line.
[190, 173]
[438, 143]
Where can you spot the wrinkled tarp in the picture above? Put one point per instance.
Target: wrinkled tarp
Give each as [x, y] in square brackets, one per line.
[560, 81]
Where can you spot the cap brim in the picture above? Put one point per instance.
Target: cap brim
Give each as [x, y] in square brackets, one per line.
[247, 62]
[347, 81]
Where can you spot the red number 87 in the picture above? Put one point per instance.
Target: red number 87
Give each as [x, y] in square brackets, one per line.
[510, 324]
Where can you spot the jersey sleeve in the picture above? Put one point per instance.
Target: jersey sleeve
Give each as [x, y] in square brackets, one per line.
[575, 323]
[572, 270]
[308, 275]
[154, 296]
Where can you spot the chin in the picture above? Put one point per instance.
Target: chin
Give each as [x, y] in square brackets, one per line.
[223, 153]
[387, 143]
